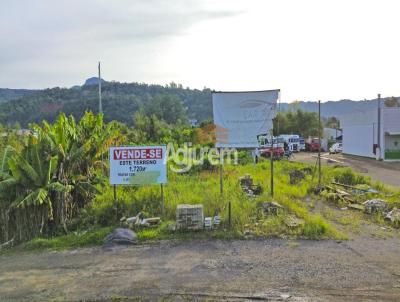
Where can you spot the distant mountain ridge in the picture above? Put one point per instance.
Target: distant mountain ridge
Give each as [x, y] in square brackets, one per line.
[121, 100]
[93, 81]
[7, 94]
[335, 108]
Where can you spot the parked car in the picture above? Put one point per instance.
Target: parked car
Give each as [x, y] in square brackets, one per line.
[277, 151]
[336, 148]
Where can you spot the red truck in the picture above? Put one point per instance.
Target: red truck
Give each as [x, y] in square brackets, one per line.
[313, 144]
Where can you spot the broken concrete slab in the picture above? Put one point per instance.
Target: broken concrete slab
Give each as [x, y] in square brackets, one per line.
[394, 216]
[375, 206]
[293, 222]
[271, 208]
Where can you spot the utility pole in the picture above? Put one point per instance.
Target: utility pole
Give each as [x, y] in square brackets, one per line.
[100, 104]
[100, 112]
[319, 144]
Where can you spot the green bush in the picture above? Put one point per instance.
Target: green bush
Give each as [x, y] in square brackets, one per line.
[348, 177]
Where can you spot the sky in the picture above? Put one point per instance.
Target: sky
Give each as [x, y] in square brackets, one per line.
[309, 49]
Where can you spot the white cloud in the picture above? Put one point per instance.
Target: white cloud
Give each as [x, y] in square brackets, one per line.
[310, 49]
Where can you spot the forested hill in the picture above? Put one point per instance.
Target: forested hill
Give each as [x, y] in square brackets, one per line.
[7, 94]
[122, 100]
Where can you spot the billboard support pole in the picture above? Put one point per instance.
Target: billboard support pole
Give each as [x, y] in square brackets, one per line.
[162, 200]
[272, 165]
[319, 143]
[221, 185]
[115, 192]
[221, 182]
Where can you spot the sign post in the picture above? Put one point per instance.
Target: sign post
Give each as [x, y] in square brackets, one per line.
[142, 165]
[162, 200]
[272, 165]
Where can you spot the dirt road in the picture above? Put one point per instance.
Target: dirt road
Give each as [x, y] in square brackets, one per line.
[273, 270]
[385, 172]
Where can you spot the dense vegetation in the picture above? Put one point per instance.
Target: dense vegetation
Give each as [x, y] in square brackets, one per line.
[54, 173]
[54, 181]
[120, 102]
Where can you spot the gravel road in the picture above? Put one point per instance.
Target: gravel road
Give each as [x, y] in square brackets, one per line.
[385, 172]
[363, 269]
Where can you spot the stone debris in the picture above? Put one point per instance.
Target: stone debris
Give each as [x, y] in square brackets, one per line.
[189, 217]
[153, 221]
[246, 181]
[247, 185]
[139, 220]
[375, 206]
[296, 176]
[271, 208]
[121, 236]
[394, 216]
[293, 222]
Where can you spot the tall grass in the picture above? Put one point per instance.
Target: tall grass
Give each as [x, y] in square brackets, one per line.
[203, 187]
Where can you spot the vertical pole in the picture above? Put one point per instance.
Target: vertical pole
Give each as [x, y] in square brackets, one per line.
[221, 182]
[379, 126]
[101, 111]
[115, 193]
[100, 104]
[230, 214]
[320, 142]
[279, 110]
[272, 164]
[162, 200]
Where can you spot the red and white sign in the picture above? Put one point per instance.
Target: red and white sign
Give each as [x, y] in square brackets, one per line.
[138, 165]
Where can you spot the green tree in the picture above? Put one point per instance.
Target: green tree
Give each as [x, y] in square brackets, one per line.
[332, 122]
[167, 108]
[299, 122]
[54, 175]
[392, 102]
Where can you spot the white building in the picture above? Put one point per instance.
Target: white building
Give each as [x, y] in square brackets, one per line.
[364, 137]
[332, 134]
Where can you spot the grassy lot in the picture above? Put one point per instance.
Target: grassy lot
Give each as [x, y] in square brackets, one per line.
[319, 214]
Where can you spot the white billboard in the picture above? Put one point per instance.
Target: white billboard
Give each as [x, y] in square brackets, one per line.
[240, 116]
[138, 165]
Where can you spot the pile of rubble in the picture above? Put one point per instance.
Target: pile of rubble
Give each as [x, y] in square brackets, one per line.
[191, 217]
[375, 206]
[295, 176]
[271, 208]
[394, 216]
[351, 200]
[248, 187]
[140, 221]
